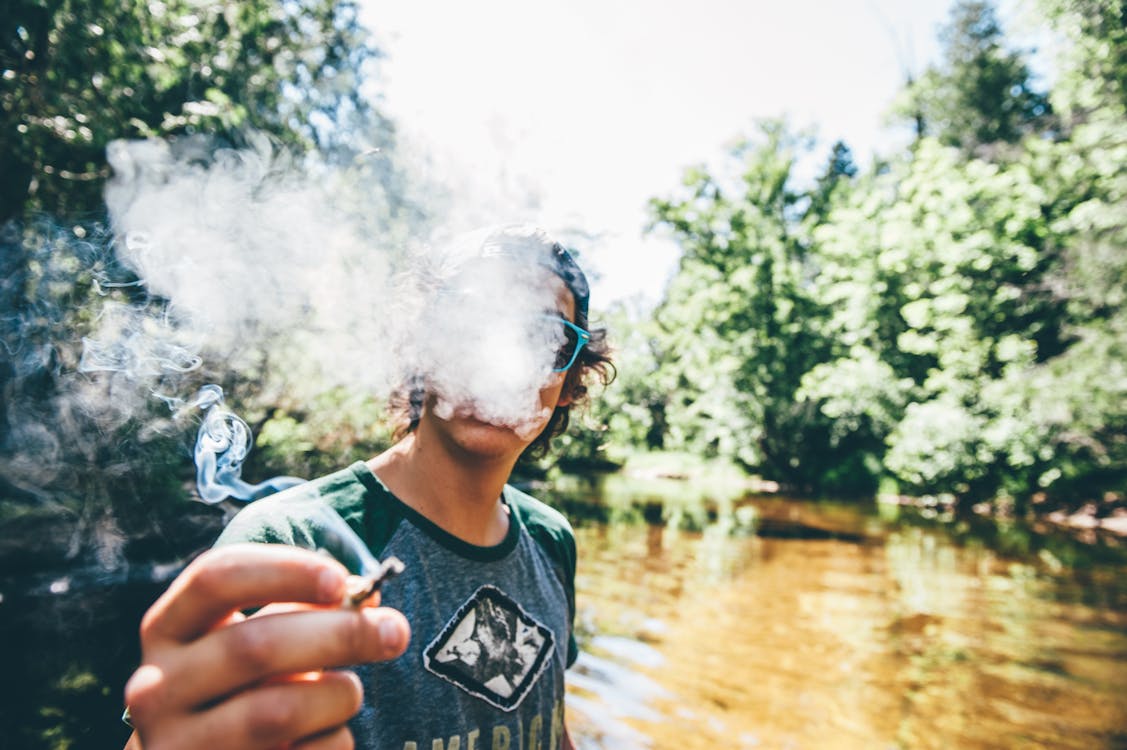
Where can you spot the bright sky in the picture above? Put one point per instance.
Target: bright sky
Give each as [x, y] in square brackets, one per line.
[572, 114]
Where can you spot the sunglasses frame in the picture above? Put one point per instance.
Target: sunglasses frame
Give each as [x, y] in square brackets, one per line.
[582, 338]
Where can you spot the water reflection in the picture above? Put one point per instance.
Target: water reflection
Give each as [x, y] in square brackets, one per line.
[607, 686]
[846, 632]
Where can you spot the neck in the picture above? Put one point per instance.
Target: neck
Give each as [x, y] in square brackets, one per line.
[459, 492]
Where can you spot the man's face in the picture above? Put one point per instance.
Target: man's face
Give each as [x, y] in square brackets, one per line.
[496, 348]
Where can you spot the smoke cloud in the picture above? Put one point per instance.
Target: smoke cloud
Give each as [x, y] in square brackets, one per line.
[252, 258]
[238, 272]
[242, 259]
[486, 338]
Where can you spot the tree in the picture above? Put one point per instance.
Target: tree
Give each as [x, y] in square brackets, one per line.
[980, 94]
[739, 323]
[954, 319]
[1084, 176]
[840, 169]
[1093, 67]
[78, 75]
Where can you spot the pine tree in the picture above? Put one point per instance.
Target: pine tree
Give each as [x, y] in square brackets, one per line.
[981, 93]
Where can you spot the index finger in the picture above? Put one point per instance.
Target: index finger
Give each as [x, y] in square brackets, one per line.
[241, 576]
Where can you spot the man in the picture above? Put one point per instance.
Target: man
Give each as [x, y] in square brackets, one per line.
[488, 587]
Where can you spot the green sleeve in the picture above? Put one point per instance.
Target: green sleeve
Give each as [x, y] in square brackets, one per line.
[295, 515]
[553, 533]
[267, 521]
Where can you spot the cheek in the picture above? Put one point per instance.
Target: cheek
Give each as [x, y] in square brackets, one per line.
[550, 393]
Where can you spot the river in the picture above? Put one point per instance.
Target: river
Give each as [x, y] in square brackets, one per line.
[771, 623]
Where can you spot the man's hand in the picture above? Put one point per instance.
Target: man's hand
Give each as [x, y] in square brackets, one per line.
[210, 678]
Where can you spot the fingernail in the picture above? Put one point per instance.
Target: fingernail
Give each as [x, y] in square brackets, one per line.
[390, 633]
[329, 585]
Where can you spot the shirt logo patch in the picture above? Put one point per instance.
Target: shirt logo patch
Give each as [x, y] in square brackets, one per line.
[492, 649]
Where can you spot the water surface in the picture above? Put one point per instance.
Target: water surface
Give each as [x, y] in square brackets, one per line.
[769, 623]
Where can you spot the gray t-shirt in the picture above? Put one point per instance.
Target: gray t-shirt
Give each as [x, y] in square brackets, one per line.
[491, 627]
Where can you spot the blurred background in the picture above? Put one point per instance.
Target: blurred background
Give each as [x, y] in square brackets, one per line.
[860, 481]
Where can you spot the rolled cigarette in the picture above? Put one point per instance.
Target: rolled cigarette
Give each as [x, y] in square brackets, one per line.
[362, 587]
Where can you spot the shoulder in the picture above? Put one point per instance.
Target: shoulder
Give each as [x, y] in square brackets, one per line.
[546, 525]
[285, 518]
[538, 515]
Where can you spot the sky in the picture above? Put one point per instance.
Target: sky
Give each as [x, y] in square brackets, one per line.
[572, 114]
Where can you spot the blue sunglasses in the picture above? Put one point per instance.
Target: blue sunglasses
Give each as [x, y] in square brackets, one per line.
[574, 340]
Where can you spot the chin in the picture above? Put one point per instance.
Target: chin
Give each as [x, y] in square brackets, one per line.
[486, 439]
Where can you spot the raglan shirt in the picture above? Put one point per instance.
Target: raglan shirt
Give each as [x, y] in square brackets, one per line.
[491, 627]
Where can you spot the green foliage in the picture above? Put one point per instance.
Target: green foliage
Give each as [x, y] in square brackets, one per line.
[981, 93]
[838, 172]
[957, 252]
[1094, 67]
[739, 323]
[950, 322]
[98, 458]
[74, 76]
[324, 432]
[634, 410]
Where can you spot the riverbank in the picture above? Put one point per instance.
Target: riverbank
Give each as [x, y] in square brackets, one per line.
[685, 478]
